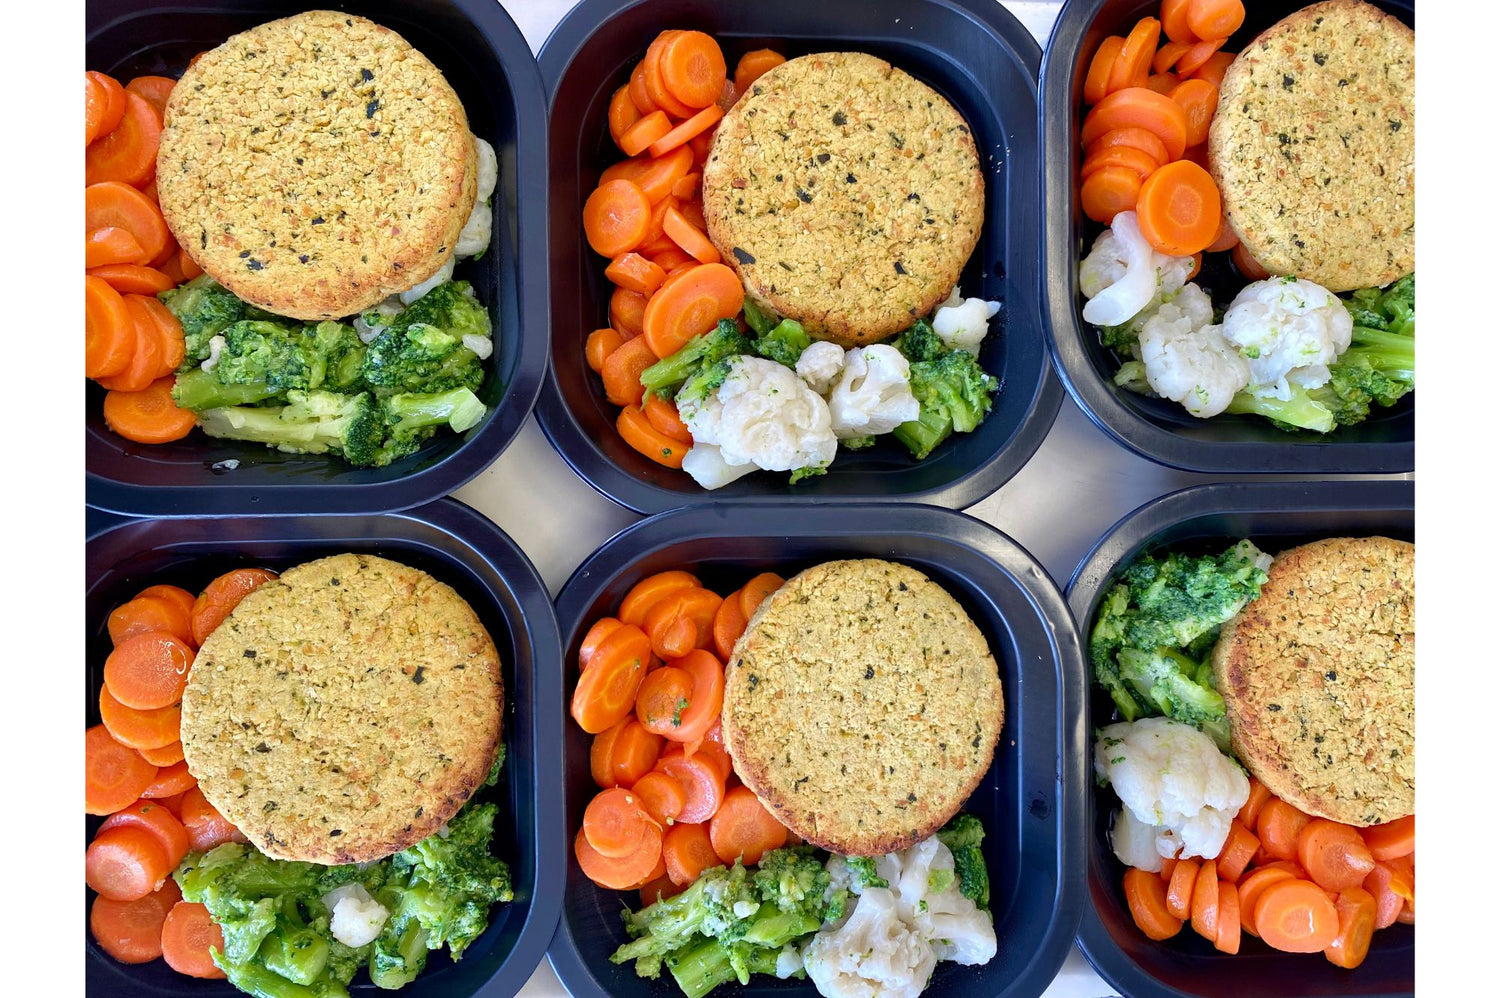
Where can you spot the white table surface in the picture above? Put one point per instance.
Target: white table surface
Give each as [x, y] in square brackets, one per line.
[1097, 480]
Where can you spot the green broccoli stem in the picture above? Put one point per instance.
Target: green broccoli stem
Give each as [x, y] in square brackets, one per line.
[298, 954]
[669, 372]
[1392, 354]
[1300, 411]
[460, 409]
[701, 968]
[923, 434]
[199, 390]
[777, 928]
[256, 980]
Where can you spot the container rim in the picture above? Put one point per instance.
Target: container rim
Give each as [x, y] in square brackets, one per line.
[582, 452]
[1065, 331]
[514, 57]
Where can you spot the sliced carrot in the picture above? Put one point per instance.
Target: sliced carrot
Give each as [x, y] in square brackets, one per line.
[692, 210]
[659, 889]
[622, 113]
[187, 265]
[645, 593]
[1135, 138]
[1096, 80]
[1334, 855]
[606, 692]
[1391, 888]
[743, 829]
[687, 187]
[753, 65]
[654, 175]
[1249, 267]
[189, 936]
[623, 873]
[658, 872]
[171, 781]
[1138, 107]
[1296, 916]
[662, 698]
[671, 259]
[615, 824]
[1239, 848]
[639, 136]
[1174, 21]
[1179, 209]
[1180, 888]
[756, 590]
[109, 246]
[1214, 68]
[221, 597]
[706, 698]
[149, 613]
[627, 311]
[637, 88]
[168, 334]
[691, 306]
[1107, 192]
[701, 145]
[1166, 57]
[148, 671]
[693, 68]
[664, 419]
[95, 103]
[206, 827]
[623, 368]
[682, 621]
[688, 850]
[661, 796]
[729, 624]
[660, 94]
[109, 329]
[114, 102]
[1250, 888]
[633, 271]
[129, 278]
[1392, 839]
[633, 754]
[1147, 897]
[1167, 866]
[114, 774]
[1199, 54]
[139, 729]
[128, 153]
[692, 240]
[130, 931]
[615, 217]
[1142, 163]
[1278, 826]
[600, 344]
[1215, 18]
[1133, 64]
[1226, 239]
[1227, 935]
[157, 820]
[1163, 83]
[680, 134]
[145, 362]
[125, 863]
[173, 803]
[600, 753]
[601, 629]
[1205, 911]
[155, 90]
[1356, 911]
[165, 755]
[1199, 100]
[700, 780]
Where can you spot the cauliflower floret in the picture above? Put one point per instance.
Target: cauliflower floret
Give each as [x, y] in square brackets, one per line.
[1172, 777]
[357, 917]
[1122, 273]
[215, 348]
[1187, 358]
[788, 961]
[1134, 842]
[962, 323]
[476, 231]
[874, 954]
[872, 394]
[705, 463]
[444, 274]
[820, 364]
[382, 314]
[1289, 330]
[763, 414]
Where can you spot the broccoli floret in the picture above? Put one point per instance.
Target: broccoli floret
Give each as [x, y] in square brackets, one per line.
[199, 390]
[1132, 377]
[260, 351]
[758, 319]
[793, 879]
[1177, 599]
[453, 879]
[921, 343]
[862, 869]
[703, 967]
[955, 394]
[422, 350]
[667, 375]
[784, 343]
[335, 356]
[963, 837]
[205, 308]
[707, 908]
[705, 381]
[1169, 681]
[310, 423]
[1301, 412]
[411, 418]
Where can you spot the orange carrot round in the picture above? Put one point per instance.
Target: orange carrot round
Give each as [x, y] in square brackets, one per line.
[139, 729]
[157, 820]
[1240, 846]
[1214, 68]
[636, 430]
[1180, 888]
[622, 873]
[600, 754]
[1166, 57]
[688, 850]
[1392, 839]
[1391, 888]
[1147, 897]
[756, 590]
[127, 153]
[1134, 159]
[1096, 80]
[606, 692]
[1296, 916]
[1334, 855]
[1215, 18]
[1108, 191]
[615, 216]
[615, 824]
[644, 132]
[637, 89]
[1227, 935]
[129, 278]
[1194, 58]
[145, 361]
[1250, 889]
[627, 310]
[109, 246]
[149, 613]
[743, 829]
[622, 370]
[1225, 239]
[1356, 911]
[113, 94]
[691, 306]
[665, 420]
[693, 68]
[682, 621]
[155, 90]
[170, 781]
[125, 863]
[148, 671]
[188, 937]
[112, 204]
[1135, 138]
[753, 65]
[130, 931]
[1133, 64]
[109, 330]
[114, 774]
[161, 757]
[661, 796]
[622, 113]
[599, 345]
[654, 175]
[1199, 100]
[1278, 826]
[1179, 209]
[206, 827]
[702, 783]
[1138, 107]
[634, 753]
[1249, 267]
[679, 135]
[1174, 21]
[221, 597]
[662, 698]
[705, 698]
[729, 624]
[601, 629]
[1205, 910]
[633, 271]
[661, 95]
[645, 593]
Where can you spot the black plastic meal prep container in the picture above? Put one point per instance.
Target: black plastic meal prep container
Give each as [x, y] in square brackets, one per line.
[1030, 801]
[488, 62]
[1157, 428]
[977, 55]
[457, 546]
[1209, 518]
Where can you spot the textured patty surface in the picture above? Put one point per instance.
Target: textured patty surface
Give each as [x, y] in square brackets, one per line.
[862, 706]
[1319, 677]
[344, 711]
[316, 164]
[1313, 146]
[847, 194]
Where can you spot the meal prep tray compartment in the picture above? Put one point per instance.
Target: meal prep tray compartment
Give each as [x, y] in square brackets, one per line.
[976, 54]
[488, 62]
[1031, 801]
[459, 547]
[1156, 428]
[1276, 516]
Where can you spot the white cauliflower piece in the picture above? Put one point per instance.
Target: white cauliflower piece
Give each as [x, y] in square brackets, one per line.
[1173, 778]
[480, 346]
[1289, 330]
[443, 275]
[215, 348]
[1187, 358]
[476, 231]
[705, 463]
[873, 955]
[357, 917]
[763, 414]
[788, 961]
[1134, 842]
[368, 324]
[962, 323]
[820, 364]
[1122, 273]
[873, 393]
